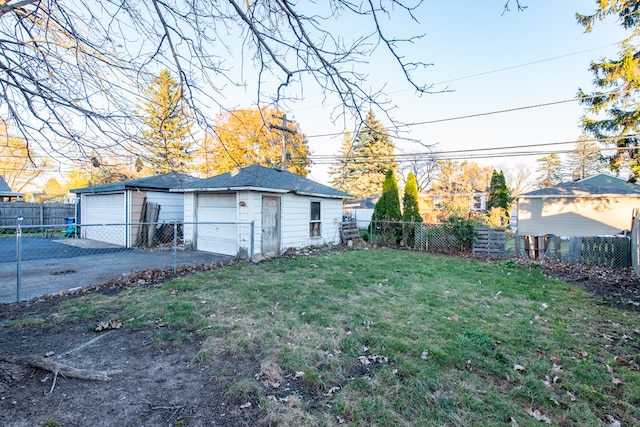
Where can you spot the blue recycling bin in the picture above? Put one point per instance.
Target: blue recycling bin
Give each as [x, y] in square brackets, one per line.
[70, 231]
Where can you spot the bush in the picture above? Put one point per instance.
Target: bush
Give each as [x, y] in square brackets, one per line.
[463, 228]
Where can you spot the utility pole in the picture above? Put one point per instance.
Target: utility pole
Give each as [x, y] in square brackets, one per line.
[285, 130]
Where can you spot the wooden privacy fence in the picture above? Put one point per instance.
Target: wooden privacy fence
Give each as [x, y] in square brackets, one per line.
[36, 213]
[490, 241]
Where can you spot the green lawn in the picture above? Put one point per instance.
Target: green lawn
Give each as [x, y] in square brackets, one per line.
[391, 338]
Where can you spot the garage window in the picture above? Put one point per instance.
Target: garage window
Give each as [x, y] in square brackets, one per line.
[314, 223]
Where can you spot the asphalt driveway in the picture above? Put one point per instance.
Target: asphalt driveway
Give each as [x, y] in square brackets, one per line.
[53, 265]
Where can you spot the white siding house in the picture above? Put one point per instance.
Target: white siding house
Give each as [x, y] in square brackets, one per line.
[122, 202]
[600, 205]
[262, 210]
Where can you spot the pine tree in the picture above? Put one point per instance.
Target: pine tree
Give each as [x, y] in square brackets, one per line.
[550, 170]
[345, 166]
[362, 166]
[167, 137]
[614, 111]
[585, 159]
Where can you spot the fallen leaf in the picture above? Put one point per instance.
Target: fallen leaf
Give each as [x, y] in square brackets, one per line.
[246, 405]
[535, 413]
[299, 374]
[556, 368]
[364, 360]
[340, 419]
[518, 367]
[554, 359]
[571, 396]
[453, 318]
[424, 355]
[617, 380]
[514, 423]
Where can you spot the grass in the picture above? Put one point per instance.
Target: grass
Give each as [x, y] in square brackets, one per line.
[386, 337]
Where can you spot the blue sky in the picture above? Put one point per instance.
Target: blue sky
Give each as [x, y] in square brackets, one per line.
[489, 61]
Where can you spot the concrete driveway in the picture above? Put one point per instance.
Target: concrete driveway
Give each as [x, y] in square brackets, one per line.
[50, 266]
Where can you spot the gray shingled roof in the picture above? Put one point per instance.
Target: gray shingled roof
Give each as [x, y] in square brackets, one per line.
[264, 179]
[156, 182]
[579, 189]
[5, 191]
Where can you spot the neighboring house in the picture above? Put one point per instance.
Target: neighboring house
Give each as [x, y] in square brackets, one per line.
[287, 211]
[360, 210]
[5, 192]
[431, 204]
[122, 203]
[598, 205]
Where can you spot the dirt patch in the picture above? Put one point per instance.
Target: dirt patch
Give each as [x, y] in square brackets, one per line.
[153, 382]
[156, 376]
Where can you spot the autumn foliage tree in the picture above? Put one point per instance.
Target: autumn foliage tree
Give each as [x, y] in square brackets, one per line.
[20, 165]
[248, 137]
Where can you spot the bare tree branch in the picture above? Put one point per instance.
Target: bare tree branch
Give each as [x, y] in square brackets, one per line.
[72, 74]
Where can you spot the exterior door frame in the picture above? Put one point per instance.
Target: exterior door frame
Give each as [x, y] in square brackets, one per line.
[271, 225]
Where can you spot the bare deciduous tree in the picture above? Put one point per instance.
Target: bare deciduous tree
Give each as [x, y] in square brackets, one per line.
[71, 71]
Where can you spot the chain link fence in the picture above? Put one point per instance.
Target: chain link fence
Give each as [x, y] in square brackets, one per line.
[415, 235]
[40, 260]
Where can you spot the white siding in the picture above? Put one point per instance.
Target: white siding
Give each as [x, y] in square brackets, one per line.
[296, 216]
[103, 209]
[189, 218]
[171, 205]
[246, 207]
[579, 216]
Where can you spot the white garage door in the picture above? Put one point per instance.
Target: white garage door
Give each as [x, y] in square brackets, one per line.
[216, 237]
[104, 209]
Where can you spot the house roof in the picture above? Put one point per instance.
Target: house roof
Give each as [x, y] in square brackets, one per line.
[362, 202]
[583, 189]
[606, 180]
[260, 178]
[156, 182]
[5, 191]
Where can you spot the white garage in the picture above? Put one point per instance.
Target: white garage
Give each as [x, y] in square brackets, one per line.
[260, 210]
[104, 209]
[216, 218]
[110, 212]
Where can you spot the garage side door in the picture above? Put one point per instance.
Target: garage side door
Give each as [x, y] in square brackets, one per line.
[104, 209]
[217, 238]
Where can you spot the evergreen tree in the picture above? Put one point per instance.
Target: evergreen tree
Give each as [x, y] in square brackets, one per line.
[345, 166]
[365, 163]
[388, 206]
[550, 170]
[585, 159]
[411, 209]
[614, 110]
[168, 134]
[498, 192]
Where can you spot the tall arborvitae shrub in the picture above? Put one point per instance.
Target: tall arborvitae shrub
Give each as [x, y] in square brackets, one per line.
[387, 210]
[411, 210]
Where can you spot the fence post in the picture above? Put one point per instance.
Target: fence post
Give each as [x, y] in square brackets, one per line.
[19, 257]
[252, 240]
[175, 247]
